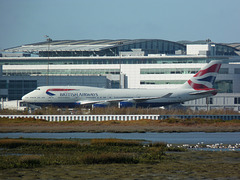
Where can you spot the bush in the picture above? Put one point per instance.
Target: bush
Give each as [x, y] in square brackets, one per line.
[28, 153]
[14, 143]
[109, 158]
[115, 142]
[159, 144]
[29, 161]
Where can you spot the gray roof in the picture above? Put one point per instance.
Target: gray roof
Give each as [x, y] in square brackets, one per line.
[95, 45]
[77, 45]
[234, 45]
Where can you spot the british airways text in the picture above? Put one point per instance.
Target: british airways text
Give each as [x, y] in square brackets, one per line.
[79, 94]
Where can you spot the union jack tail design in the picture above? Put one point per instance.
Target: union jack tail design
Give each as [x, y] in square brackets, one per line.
[204, 78]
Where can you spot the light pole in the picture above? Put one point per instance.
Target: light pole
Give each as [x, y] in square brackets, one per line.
[49, 40]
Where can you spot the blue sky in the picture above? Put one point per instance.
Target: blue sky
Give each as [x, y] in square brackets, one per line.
[27, 21]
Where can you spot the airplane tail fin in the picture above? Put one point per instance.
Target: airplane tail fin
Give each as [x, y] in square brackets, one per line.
[205, 77]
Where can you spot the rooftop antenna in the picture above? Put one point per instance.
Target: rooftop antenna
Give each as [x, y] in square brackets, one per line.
[49, 40]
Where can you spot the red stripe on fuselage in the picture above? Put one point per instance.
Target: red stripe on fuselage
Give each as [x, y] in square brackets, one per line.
[60, 89]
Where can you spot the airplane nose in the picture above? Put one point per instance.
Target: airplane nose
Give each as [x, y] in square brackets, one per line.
[24, 98]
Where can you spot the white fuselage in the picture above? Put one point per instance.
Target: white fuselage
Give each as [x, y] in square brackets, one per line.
[83, 95]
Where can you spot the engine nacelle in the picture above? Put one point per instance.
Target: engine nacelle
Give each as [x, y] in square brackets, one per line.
[101, 105]
[126, 104]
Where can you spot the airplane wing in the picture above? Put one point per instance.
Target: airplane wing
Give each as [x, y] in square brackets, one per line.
[202, 92]
[149, 98]
[135, 100]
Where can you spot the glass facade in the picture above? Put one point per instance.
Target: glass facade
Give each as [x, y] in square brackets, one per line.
[122, 60]
[3, 84]
[157, 82]
[224, 86]
[224, 50]
[237, 100]
[237, 71]
[209, 100]
[115, 84]
[223, 71]
[169, 71]
[107, 52]
[153, 46]
[39, 72]
[18, 88]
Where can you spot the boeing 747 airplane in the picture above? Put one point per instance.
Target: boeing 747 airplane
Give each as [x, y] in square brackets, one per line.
[199, 86]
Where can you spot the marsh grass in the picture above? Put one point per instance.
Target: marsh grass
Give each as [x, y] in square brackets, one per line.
[194, 121]
[40, 159]
[185, 165]
[115, 142]
[21, 120]
[109, 158]
[15, 143]
[29, 161]
[33, 153]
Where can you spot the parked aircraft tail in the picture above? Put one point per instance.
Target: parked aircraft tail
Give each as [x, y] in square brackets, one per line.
[205, 77]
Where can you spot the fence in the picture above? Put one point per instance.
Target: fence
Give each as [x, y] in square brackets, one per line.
[57, 118]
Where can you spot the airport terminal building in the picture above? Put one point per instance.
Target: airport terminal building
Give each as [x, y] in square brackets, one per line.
[140, 63]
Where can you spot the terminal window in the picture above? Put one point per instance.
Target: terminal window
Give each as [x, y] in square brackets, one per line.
[237, 71]
[237, 100]
[224, 86]
[223, 71]
[209, 100]
[3, 84]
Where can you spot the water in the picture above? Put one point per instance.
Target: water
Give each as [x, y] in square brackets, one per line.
[174, 138]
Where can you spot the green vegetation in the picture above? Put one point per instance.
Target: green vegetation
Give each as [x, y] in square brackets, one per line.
[25, 153]
[195, 121]
[110, 159]
[21, 120]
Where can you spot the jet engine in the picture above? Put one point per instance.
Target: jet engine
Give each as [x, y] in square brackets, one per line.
[101, 105]
[125, 104]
